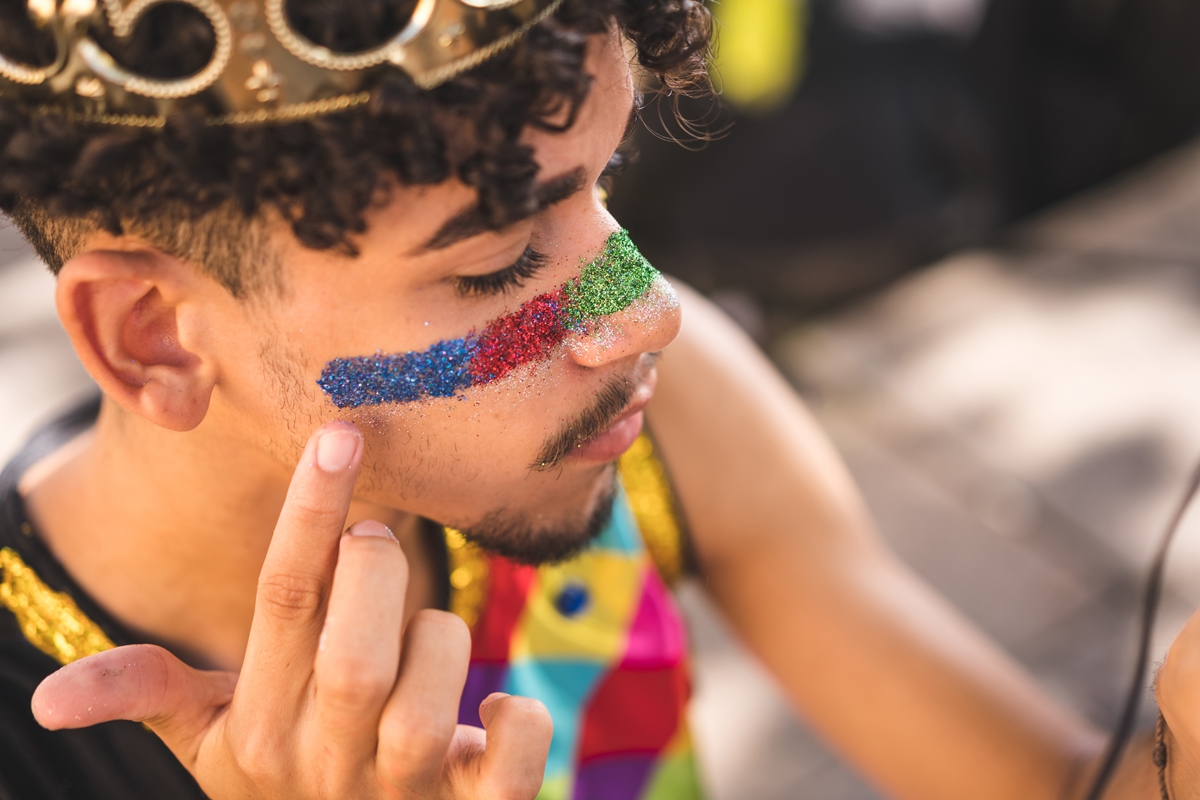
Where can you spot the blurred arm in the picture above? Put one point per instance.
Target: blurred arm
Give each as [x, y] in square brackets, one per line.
[892, 676]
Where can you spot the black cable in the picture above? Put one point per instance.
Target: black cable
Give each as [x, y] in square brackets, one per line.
[1124, 728]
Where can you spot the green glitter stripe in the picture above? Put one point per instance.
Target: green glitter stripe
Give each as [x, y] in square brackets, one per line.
[610, 283]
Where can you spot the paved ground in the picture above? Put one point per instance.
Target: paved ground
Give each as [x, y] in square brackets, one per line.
[1020, 420]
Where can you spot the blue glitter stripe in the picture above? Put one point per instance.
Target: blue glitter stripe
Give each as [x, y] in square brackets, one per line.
[441, 371]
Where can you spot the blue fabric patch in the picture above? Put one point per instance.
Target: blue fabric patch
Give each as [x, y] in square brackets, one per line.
[565, 687]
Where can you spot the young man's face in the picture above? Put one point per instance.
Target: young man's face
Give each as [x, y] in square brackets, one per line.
[515, 461]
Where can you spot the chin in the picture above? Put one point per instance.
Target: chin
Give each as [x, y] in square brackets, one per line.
[532, 536]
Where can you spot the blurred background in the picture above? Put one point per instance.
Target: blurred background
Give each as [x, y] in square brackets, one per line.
[870, 137]
[969, 232]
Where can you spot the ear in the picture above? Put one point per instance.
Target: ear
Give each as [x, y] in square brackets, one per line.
[123, 309]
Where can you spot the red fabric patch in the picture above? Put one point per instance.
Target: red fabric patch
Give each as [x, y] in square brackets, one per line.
[634, 711]
[508, 585]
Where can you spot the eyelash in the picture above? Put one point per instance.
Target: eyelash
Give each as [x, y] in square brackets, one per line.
[511, 277]
[612, 170]
[514, 276]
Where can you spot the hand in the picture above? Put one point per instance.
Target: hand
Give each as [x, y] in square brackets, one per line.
[331, 702]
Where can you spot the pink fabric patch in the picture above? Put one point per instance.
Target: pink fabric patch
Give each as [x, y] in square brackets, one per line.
[657, 638]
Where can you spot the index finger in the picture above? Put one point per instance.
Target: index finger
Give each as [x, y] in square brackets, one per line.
[294, 584]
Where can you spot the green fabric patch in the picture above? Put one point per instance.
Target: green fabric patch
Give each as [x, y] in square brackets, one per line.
[675, 779]
[557, 787]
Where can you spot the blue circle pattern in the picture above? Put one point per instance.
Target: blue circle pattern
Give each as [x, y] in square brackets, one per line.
[572, 600]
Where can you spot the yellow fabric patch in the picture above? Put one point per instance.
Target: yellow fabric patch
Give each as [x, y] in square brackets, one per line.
[599, 631]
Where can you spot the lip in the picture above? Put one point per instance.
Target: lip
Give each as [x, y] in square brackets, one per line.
[624, 431]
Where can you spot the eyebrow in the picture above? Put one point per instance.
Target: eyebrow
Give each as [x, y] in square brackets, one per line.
[471, 222]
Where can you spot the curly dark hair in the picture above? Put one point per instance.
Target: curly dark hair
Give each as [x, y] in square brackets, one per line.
[199, 191]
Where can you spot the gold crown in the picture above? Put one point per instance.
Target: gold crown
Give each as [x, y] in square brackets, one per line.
[261, 69]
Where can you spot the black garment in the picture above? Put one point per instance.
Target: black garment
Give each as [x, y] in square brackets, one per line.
[114, 761]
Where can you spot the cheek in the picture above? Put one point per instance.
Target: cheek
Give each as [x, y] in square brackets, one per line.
[265, 392]
[612, 282]
[468, 452]
[458, 424]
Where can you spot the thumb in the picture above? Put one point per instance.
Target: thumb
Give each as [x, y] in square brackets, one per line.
[141, 682]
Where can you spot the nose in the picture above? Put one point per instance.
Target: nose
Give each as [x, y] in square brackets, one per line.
[647, 325]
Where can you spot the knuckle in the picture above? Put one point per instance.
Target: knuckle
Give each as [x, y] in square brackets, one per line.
[258, 755]
[417, 739]
[159, 682]
[352, 683]
[412, 750]
[448, 628]
[292, 597]
[315, 506]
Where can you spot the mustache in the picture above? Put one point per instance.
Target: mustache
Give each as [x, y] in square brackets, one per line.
[611, 400]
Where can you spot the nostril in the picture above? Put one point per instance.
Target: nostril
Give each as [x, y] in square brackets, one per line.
[648, 324]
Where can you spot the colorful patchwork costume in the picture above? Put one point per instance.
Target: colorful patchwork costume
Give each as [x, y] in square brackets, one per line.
[599, 640]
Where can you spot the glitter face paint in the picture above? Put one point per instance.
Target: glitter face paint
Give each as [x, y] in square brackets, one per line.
[611, 283]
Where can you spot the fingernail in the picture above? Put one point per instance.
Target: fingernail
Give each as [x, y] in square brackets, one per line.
[370, 527]
[335, 450]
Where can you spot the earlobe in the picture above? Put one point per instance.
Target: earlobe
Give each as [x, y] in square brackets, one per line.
[121, 309]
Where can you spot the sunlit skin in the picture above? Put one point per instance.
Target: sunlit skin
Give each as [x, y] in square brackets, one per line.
[169, 511]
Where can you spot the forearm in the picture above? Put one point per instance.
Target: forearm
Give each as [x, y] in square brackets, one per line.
[886, 670]
[902, 686]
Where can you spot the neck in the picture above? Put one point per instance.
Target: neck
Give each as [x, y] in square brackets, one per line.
[168, 531]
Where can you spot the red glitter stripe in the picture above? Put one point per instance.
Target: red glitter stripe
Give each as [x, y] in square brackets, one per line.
[527, 334]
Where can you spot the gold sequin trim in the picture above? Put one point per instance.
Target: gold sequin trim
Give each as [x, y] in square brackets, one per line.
[653, 503]
[50, 620]
[468, 577]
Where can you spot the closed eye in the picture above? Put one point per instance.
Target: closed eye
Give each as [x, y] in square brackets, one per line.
[612, 170]
[511, 277]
